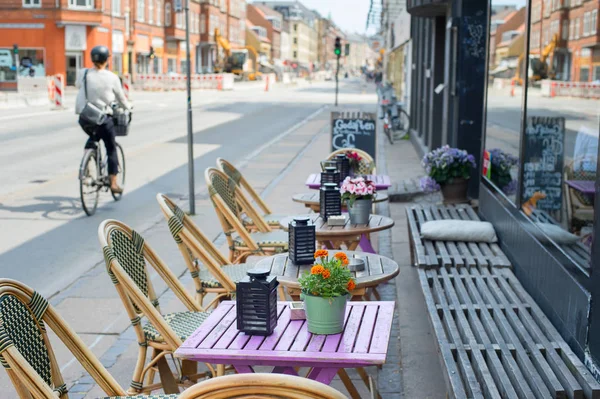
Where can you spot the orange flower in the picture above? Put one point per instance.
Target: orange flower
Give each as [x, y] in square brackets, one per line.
[317, 269]
[326, 274]
[341, 256]
[351, 285]
[345, 262]
[321, 253]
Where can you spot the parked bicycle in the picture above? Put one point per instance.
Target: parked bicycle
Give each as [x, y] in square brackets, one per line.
[395, 118]
[93, 171]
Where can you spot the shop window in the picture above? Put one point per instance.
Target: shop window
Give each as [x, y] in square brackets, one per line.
[32, 3]
[117, 62]
[596, 73]
[559, 137]
[31, 63]
[81, 3]
[183, 67]
[171, 65]
[505, 90]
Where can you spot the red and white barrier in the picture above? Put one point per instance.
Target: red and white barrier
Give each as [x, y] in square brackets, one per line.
[178, 82]
[127, 85]
[554, 88]
[59, 90]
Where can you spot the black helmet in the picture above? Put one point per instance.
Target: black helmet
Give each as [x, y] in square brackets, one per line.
[100, 54]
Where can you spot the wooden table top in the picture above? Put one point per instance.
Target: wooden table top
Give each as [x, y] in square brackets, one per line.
[382, 182]
[378, 269]
[312, 198]
[363, 342]
[324, 231]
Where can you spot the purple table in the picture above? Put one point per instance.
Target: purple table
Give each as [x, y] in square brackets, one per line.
[382, 182]
[363, 342]
[584, 186]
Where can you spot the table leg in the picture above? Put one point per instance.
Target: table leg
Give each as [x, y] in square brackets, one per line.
[348, 384]
[284, 370]
[167, 379]
[243, 369]
[365, 244]
[324, 375]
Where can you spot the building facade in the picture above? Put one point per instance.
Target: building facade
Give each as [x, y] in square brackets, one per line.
[271, 20]
[538, 123]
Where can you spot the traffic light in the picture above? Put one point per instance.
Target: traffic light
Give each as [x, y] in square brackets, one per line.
[338, 47]
[15, 49]
[151, 52]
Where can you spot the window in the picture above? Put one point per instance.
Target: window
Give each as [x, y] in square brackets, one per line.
[150, 11]
[295, 27]
[202, 23]
[547, 6]
[577, 27]
[32, 3]
[565, 29]
[81, 3]
[572, 30]
[594, 22]
[141, 10]
[168, 14]
[586, 24]
[584, 74]
[159, 11]
[295, 54]
[596, 73]
[116, 7]
[295, 40]
[179, 20]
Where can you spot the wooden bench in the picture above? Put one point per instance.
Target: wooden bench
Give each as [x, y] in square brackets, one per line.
[429, 254]
[493, 339]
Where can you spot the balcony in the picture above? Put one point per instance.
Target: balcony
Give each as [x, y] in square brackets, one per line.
[426, 8]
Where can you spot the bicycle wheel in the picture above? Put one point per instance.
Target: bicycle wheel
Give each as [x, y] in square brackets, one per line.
[89, 182]
[402, 124]
[121, 174]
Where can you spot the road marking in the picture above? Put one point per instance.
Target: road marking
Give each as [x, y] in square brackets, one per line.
[11, 117]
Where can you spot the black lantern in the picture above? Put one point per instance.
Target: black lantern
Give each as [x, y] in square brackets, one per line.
[343, 165]
[330, 175]
[301, 241]
[256, 300]
[330, 200]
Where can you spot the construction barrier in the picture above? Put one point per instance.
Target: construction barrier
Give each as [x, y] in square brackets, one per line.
[59, 90]
[173, 82]
[555, 88]
[33, 90]
[127, 85]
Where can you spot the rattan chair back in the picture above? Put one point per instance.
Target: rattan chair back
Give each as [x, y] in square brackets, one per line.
[234, 174]
[261, 386]
[367, 164]
[26, 352]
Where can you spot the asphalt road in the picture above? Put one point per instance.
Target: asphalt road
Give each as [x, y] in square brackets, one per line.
[46, 240]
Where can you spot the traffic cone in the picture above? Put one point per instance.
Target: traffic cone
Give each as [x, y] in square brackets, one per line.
[512, 88]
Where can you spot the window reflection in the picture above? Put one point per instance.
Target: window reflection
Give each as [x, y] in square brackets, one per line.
[505, 94]
[561, 132]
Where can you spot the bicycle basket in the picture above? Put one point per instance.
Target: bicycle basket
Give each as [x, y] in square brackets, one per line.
[121, 122]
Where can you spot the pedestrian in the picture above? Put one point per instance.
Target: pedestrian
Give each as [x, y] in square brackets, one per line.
[102, 88]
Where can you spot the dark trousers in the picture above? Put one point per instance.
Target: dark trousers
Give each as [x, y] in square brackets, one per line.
[106, 133]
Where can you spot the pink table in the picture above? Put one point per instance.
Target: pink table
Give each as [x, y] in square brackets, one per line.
[584, 186]
[363, 342]
[382, 182]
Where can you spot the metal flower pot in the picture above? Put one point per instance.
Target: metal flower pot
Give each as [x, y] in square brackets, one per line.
[455, 192]
[360, 211]
[325, 316]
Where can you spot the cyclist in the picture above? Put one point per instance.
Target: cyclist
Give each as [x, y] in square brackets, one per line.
[103, 90]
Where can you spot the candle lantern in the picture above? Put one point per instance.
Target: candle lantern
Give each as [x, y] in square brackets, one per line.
[330, 175]
[343, 165]
[256, 300]
[330, 200]
[302, 241]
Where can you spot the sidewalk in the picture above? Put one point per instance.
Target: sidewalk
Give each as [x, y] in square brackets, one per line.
[92, 308]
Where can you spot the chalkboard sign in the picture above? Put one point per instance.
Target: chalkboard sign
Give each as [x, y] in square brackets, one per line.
[354, 129]
[543, 163]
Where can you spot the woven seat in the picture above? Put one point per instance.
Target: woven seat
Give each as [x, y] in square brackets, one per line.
[235, 272]
[270, 239]
[271, 220]
[183, 323]
[365, 167]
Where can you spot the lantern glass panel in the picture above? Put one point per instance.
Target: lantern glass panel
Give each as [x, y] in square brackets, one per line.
[302, 238]
[329, 200]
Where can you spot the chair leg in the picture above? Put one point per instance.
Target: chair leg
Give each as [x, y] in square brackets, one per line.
[220, 370]
[138, 375]
[152, 372]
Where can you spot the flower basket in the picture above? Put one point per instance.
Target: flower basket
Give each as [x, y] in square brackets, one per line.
[325, 291]
[358, 194]
[448, 169]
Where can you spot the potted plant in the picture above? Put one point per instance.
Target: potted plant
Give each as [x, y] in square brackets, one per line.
[502, 163]
[358, 194]
[325, 291]
[354, 160]
[448, 169]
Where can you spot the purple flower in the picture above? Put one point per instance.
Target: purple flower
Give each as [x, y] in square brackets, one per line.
[429, 185]
[510, 188]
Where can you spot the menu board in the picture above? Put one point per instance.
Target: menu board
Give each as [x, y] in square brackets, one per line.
[354, 129]
[543, 163]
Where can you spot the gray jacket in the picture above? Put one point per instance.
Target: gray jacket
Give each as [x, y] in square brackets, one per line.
[103, 88]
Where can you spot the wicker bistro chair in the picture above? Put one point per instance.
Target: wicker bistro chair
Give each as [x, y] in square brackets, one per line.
[127, 255]
[367, 164]
[218, 276]
[272, 220]
[580, 208]
[26, 352]
[262, 386]
[224, 194]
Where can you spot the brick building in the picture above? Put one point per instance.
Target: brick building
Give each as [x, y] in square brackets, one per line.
[271, 20]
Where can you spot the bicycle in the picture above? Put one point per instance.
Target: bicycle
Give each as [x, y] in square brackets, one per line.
[93, 172]
[395, 118]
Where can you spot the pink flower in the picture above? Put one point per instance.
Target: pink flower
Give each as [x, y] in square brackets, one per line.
[370, 190]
